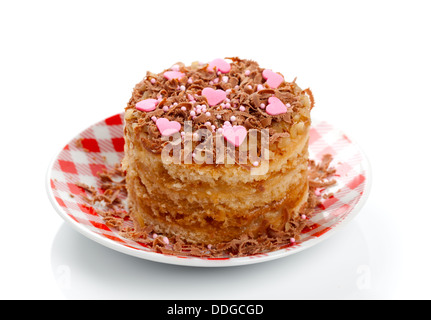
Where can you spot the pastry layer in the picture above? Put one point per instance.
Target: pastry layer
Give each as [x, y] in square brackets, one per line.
[198, 224]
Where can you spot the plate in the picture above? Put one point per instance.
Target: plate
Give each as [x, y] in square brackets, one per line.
[103, 143]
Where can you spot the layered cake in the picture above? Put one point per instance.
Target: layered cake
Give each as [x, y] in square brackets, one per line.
[217, 150]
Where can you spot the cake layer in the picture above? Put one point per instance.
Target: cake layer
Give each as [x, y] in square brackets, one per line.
[198, 223]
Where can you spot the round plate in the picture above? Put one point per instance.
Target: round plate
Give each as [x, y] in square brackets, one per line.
[103, 143]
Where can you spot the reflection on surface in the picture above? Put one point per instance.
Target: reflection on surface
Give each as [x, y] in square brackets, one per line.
[87, 270]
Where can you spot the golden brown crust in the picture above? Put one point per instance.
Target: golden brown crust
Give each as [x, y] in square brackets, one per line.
[213, 222]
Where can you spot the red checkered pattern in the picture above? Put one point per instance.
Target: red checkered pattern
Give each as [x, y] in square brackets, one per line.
[92, 151]
[351, 182]
[103, 144]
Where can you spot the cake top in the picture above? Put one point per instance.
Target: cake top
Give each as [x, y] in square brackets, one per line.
[228, 96]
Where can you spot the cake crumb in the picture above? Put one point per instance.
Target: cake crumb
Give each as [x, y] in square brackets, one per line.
[79, 145]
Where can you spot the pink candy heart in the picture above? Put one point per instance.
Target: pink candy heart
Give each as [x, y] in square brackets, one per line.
[214, 97]
[173, 75]
[167, 127]
[220, 65]
[275, 107]
[272, 79]
[235, 135]
[146, 105]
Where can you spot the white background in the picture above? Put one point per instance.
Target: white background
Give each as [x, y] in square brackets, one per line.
[67, 64]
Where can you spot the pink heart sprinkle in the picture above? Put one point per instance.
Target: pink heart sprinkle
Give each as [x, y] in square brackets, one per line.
[234, 135]
[220, 65]
[272, 79]
[167, 127]
[214, 97]
[147, 105]
[173, 75]
[275, 106]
